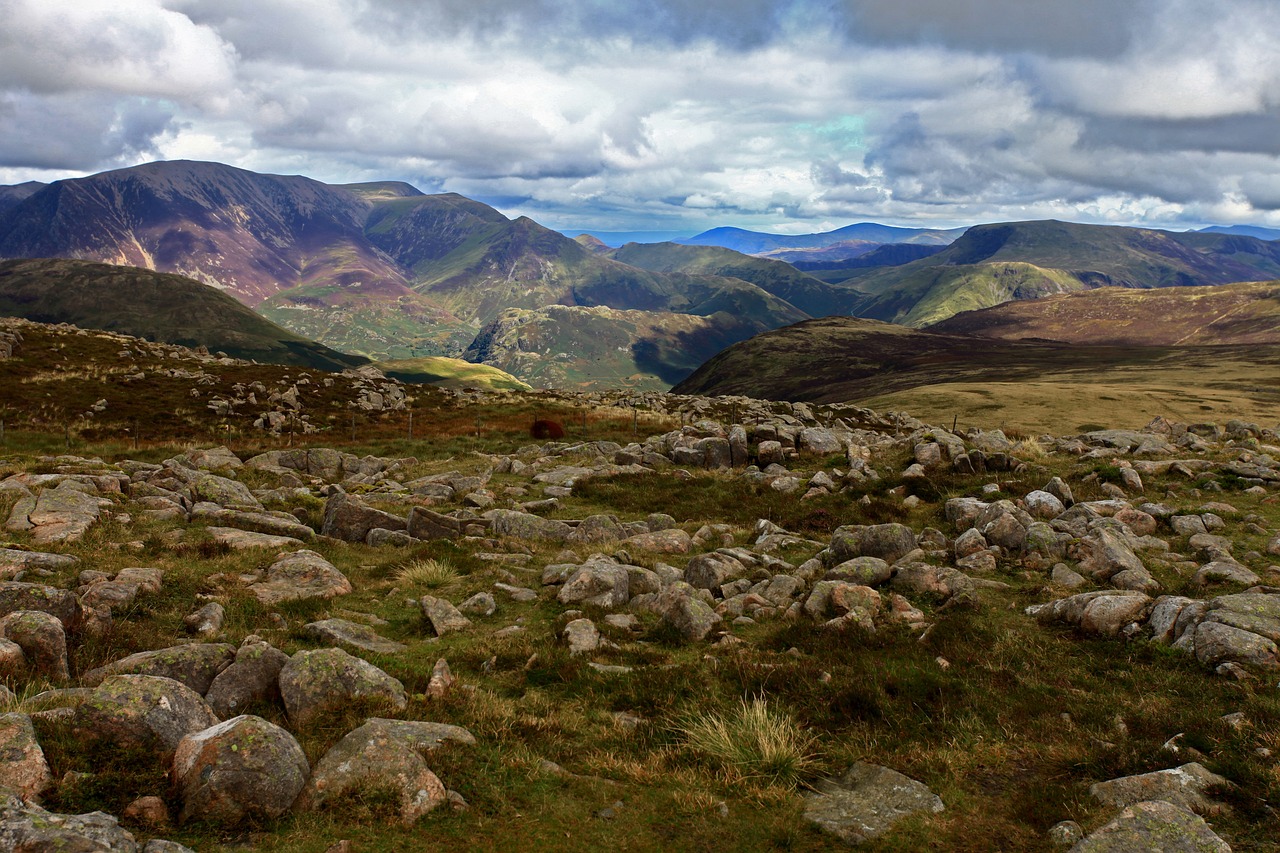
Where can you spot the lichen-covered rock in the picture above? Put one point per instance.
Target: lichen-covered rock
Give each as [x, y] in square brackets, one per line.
[353, 634]
[61, 603]
[866, 802]
[691, 618]
[300, 575]
[1216, 643]
[241, 769]
[522, 525]
[144, 711]
[889, 542]
[350, 519]
[711, 571]
[252, 677]
[671, 541]
[864, 571]
[23, 768]
[1102, 613]
[384, 754]
[196, 665]
[42, 639]
[315, 682]
[599, 583]
[1184, 786]
[1154, 827]
[442, 616]
[27, 828]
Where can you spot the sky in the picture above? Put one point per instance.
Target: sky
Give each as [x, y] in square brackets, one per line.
[789, 116]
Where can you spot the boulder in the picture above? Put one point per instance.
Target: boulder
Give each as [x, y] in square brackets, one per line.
[680, 610]
[384, 755]
[866, 802]
[350, 519]
[251, 678]
[61, 603]
[300, 575]
[143, 711]
[442, 616]
[195, 665]
[1102, 613]
[315, 682]
[889, 542]
[23, 768]
[864, 571]
[1153, 827]
[243, 769]
[352, 634]
[582, 636]
[1216, 643]
[671, 541]
[711, 571]
[27, 828]
[1186, 786]
[42, 639]
[598, 583]
[522, 525]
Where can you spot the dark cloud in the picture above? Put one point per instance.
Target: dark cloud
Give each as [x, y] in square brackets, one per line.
[78, 132]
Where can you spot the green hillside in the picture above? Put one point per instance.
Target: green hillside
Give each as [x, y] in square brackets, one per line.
[155, 306]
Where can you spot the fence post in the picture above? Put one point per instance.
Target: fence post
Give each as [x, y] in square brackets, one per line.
[411, 424]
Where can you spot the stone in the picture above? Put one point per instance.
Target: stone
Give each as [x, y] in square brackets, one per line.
[820, 441]
[195, 665]
[384, 754]
[243, 769]
[300, 575]
[150, 812]
[1184, 786]
[442, 616]
[1216, 643]
[1102, 613]
[207, 621]
[316, 682]
[480, 605]
[143, 711]
[42, 639]
[1104, 554]
[251, 678]
[863, 571]
[240, 540]
[670, 541]
[222, 491]
[1044, 505]
[522, 525]
[350, 519]
[64, 514]
[441, 681]
[352, 634]
[27, 828]
[1153, 827]
[866, 802]
[602, 584]
[1065, 576]
[711, 571]
[680, 610]
[582, 636]
[889, 542]
[23, 768]
[595, 529]
[61, 603]
[1225, 571]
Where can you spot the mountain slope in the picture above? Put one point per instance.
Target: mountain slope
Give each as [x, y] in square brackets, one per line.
[816, 298]
[155, 306]
[952, 376]
[1245, 313]
[991, 264]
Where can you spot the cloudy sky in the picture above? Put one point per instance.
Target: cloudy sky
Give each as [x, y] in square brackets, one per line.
[790, 115]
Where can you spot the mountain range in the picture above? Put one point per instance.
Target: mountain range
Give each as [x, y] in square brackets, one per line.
[383, 271]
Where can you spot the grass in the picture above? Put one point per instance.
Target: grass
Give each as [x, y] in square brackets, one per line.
[751, 741]
[429, 572]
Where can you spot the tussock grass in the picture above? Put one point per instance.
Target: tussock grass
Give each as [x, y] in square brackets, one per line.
[427, 572]
[752, 741]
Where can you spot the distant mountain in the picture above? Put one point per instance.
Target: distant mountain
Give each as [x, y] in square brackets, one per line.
[154, 306]
[1246, 313]
[991, 264]
[614, 239]
[816, 298]
[11, 195]
[446, 372]
[1243, 231]
[886, 255]
[757, 242]
[377, 268]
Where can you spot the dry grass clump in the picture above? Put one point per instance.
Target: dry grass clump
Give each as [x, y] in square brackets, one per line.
[428, 572]
[1029, 448]
[752, 741]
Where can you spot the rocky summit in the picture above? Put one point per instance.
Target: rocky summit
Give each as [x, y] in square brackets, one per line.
[688, 623]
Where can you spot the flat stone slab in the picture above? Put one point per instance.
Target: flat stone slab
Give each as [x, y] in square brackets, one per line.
[351, 634]
[241, 539]
[866, 802]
